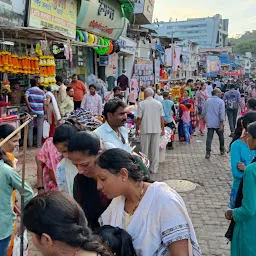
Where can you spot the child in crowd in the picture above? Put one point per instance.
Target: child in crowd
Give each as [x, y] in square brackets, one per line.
[186, 110]
[117, 239]
[133, 95]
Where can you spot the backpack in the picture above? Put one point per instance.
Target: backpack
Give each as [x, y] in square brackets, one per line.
[232, 101]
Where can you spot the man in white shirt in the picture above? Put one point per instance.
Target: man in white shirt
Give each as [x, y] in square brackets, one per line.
[62, 90]
[150, 124]
[209, 89]
[112, 132]
[92, 101]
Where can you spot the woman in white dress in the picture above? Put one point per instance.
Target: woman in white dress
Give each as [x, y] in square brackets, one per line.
[152, 213]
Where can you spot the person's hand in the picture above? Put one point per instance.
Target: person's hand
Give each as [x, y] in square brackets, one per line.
[163, 132]
[221, 128]
[229, 214]
[45, 117]
[241, 166]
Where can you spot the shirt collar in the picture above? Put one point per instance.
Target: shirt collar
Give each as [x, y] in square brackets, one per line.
[109, 129]
[150, 97]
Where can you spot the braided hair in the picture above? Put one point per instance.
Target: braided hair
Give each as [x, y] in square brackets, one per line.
[58, 215]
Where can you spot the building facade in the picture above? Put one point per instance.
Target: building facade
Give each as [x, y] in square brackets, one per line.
[207, 32]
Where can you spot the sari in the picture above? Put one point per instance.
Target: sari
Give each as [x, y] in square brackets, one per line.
[53, 113]
[49, 155]
[192, 122]
[65, 173]
[154, 226]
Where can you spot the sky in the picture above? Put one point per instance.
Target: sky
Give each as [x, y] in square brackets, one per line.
[241, 13]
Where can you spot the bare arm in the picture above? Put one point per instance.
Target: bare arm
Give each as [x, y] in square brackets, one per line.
[47, 100]
[108, 96]
[40, 167]
[27, 103]
[179, 248]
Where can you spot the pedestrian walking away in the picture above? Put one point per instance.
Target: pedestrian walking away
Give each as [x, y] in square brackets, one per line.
[232, 100]
[214, 116]
[150, 125]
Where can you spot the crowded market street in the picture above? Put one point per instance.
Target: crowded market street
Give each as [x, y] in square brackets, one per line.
[206, 203]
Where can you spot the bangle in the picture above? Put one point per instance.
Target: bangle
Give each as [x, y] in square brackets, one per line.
[40, 188]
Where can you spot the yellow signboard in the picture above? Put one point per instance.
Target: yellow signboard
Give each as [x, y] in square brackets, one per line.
[58, 15]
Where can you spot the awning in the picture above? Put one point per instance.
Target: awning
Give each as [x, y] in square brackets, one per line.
[30, 35]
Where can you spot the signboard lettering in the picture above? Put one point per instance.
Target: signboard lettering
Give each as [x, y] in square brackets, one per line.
[54, 14]
[106, 10]
[101, 17]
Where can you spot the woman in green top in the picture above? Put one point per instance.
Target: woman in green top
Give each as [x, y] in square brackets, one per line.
[9, 180]
[244, 239]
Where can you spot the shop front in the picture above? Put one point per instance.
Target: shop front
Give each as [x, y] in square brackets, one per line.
[105, 21]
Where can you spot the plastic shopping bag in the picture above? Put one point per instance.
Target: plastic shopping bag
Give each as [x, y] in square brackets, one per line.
[16, 246]
[46, 129]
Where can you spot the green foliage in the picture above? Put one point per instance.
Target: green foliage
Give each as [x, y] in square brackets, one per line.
[246, 43]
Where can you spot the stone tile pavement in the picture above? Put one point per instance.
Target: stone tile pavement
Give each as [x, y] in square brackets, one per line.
[206, 204]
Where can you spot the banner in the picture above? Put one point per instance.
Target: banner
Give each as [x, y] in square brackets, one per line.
[213, 64]
[58, 15]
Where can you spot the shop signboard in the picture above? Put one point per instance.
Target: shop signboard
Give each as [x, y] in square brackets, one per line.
[60, 16]
[104, 60]
[101, 17]
[127, 45]
[143, 72]
[12, 12]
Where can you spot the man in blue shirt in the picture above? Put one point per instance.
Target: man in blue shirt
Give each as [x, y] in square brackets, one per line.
[169, 109]
[35, 103]
[214, 115]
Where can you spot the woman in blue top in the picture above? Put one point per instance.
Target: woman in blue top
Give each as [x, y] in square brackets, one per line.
[244, 239]
[240, 154]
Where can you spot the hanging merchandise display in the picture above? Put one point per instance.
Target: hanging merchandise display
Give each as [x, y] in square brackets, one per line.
[47, 71]
[14, 64]
[104, 46]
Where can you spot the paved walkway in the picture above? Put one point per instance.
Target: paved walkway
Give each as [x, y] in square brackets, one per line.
[206, 204]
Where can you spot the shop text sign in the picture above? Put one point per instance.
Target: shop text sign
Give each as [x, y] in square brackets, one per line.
[53, 14]
[101, 17]
[106, 9]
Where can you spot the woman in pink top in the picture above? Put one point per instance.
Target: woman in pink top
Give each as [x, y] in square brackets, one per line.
[186, 120]
[47, 160]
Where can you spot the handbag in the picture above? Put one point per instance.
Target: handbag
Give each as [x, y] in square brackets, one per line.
[46, 129]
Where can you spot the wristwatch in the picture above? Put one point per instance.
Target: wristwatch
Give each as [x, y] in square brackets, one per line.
[40, 188]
